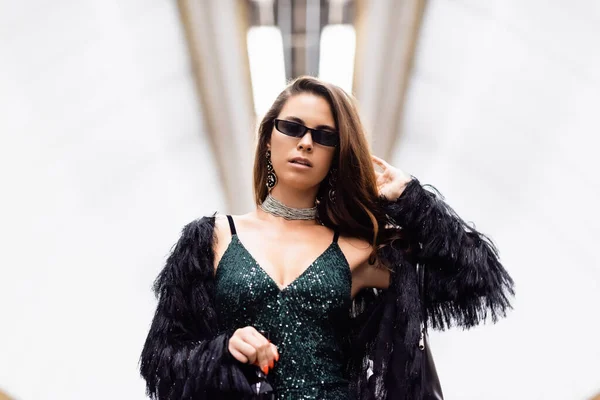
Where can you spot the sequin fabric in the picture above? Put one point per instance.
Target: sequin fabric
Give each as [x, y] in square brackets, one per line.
[307, 320]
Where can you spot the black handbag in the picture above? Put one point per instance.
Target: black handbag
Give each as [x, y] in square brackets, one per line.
[430, 382]
[261, 387]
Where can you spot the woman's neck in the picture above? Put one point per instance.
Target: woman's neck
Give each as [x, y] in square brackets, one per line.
[295, 198]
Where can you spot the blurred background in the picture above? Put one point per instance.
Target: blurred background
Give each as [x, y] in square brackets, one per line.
[121, 121]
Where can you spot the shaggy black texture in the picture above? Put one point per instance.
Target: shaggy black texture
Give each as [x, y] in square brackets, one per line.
[465, 281]
[183, 357]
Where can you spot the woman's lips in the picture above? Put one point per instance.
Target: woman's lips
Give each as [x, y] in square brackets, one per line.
[298, 165]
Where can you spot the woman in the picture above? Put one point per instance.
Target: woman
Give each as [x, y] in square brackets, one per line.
[325, 265]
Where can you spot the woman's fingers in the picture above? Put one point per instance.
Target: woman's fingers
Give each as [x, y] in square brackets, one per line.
[274, 352]
[379, 161]
[239, 347]
[264, 358]
[238, 356]
[271, 353]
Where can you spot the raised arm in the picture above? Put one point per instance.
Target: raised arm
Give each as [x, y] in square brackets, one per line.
[184, 356]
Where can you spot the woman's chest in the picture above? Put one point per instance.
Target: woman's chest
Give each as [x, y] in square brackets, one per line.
[243, 289]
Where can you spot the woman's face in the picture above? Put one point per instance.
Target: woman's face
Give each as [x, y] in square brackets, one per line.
[313, 112]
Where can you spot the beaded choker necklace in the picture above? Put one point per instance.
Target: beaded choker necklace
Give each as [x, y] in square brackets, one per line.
[277, 208]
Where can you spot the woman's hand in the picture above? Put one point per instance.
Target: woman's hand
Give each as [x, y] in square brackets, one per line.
[247, 345]
[391, 181]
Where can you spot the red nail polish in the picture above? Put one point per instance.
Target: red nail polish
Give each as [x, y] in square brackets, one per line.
[265, 369]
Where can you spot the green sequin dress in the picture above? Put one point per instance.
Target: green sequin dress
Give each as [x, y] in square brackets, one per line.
[307, 320]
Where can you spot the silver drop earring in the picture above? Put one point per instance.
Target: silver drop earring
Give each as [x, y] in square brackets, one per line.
[332, 182]
[271, 177]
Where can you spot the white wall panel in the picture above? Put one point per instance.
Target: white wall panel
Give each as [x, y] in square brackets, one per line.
[502, 117]
[103, 159]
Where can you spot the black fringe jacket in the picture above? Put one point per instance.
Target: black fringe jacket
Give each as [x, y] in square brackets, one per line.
[185, 358]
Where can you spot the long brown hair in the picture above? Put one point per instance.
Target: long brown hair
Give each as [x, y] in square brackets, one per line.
[355, 211]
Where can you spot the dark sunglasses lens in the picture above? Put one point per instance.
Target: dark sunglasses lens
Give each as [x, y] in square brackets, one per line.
[325, 138]
[294, 129]
[290, 128]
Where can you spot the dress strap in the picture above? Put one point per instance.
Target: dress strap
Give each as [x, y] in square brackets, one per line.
[336, 235]
[231, 225]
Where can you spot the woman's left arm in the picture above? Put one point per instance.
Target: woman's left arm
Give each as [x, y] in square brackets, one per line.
[465, 281]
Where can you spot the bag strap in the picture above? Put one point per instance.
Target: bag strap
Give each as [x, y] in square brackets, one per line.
[421, 284]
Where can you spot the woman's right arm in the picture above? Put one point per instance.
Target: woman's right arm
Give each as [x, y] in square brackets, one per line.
[183, 357]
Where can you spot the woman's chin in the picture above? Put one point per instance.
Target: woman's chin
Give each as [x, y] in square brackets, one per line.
[298, 182]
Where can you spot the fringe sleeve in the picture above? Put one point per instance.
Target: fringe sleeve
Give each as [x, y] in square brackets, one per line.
[465, 281]
[183, 357]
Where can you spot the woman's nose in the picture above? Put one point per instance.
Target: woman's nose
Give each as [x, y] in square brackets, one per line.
[306, 142]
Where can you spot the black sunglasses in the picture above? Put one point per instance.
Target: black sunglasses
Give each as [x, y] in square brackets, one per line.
[294, 129]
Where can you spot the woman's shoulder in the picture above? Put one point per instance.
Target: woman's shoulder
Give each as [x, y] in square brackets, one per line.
[221, 220]
[223, 230]
[355, 241]
[356, 250]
